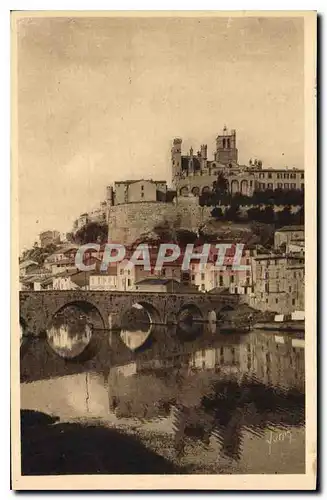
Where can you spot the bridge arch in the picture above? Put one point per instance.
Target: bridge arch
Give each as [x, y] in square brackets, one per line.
[138, 323]
[189, 321]
[22, 331]
[73, 329]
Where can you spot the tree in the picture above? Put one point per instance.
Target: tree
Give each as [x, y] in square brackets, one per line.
[92, 232]
[284, 217]
[217, 213]
[220, 187]
[232, 213]
[268, 215]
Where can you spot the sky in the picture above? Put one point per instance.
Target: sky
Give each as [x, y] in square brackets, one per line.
[100, 100]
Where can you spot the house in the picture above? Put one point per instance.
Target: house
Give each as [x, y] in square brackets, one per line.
[236, 280]
[27, 267]
[279, 283]
[104, 280]
[71, 280]
[287, 234]
[63, 258]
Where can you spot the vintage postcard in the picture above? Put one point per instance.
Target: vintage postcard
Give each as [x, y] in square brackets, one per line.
[163, 250]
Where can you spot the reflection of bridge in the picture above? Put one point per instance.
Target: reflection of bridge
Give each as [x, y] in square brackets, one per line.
[106, 311]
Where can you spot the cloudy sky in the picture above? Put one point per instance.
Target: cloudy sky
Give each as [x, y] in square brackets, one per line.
[99, 100]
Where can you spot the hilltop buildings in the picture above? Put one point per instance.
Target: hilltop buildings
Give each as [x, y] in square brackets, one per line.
[48, 238]
[194, 174]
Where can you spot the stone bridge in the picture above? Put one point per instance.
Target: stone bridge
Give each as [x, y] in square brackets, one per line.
[166, 314]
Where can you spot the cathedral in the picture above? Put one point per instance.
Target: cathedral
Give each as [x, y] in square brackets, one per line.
[194, 174]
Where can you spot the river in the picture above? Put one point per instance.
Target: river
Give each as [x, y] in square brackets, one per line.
[229, 404]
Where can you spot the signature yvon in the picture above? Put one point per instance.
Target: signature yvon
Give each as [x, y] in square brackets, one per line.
[277, 437]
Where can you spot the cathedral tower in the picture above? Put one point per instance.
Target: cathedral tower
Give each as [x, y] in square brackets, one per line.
[176, 160]
[226, 151]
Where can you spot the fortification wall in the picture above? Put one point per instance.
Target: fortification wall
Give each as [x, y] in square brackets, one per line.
[127, 222]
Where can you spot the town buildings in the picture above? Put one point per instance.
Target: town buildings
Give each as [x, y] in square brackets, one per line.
[288, 236]
[279, 283]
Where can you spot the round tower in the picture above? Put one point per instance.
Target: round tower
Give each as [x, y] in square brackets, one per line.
[110, 196]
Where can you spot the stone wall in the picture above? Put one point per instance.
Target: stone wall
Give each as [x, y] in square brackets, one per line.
[127, 222]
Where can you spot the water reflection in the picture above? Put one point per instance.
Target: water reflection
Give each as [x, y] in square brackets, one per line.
[217, 397]
[234, 403]
[71, 329]
[136, 327]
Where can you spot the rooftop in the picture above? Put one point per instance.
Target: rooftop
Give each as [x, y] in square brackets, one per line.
[27, 263]
[131, 181]
[286, 229]
[157, 281]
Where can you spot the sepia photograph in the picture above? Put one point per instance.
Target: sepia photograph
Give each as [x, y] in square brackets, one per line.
[163, 250]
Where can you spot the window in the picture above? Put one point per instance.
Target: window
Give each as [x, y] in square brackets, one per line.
[302, 176]
[128, 282]
[263, 185]
[302, 186]
[293, 302]
[202, 287]
[269, 175]
[279, 186]
[142, 195]
[286, 176]
[278, 176]
[261, 175]
[276, 301]
[289, 288]
[250, 183]
[221, 280]
[293, 186]
[203, 353]
[270, 185]
[193, 277]
[202, 276]
[286, 185]
[121, 272]
[232, 279]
